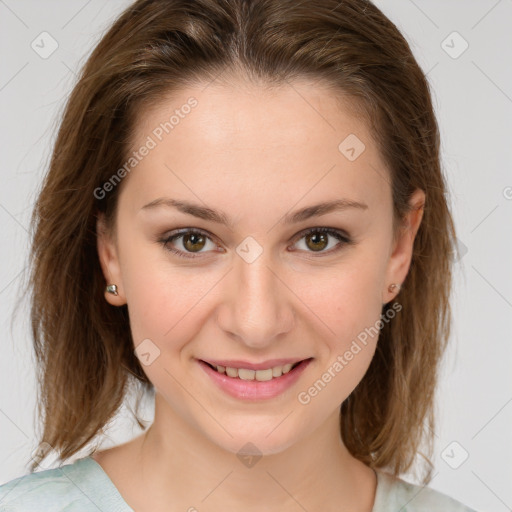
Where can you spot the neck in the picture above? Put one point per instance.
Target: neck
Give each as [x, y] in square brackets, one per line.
[184, 468]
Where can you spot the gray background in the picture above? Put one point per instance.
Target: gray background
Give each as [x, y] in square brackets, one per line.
[473, 100]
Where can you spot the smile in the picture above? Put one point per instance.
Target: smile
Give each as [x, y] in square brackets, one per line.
[259, 375]
[251, 384]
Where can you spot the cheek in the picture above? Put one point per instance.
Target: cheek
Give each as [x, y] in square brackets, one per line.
[157, 297]
[347, 298]
[164, 306]
[348, 302]
[167, 302]
[350, 306]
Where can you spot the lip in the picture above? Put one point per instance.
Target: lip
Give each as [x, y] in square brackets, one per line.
[238, 363]
[253, 390]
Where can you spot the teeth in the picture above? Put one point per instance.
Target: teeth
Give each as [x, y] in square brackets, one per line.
[232, 372]
[277, 371]
[260, 375]
[246, 374]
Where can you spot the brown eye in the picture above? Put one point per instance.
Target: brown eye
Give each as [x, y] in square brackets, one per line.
[193, 242]
[188, 243]
[317, 241]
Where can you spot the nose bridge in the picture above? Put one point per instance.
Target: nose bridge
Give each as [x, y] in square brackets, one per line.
[258, 309]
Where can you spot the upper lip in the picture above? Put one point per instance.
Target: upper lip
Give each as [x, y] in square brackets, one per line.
[237, 363]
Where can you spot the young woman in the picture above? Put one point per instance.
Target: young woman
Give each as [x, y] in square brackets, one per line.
[245, 213]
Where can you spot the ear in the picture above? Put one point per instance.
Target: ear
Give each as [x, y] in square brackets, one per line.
[109, 261]
[401, 256]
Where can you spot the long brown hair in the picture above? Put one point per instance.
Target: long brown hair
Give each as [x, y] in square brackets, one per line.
[83, 346]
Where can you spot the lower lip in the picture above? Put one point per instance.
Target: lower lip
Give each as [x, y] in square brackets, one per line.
[254, 389]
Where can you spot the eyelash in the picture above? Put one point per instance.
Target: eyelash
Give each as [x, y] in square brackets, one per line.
[345, 240]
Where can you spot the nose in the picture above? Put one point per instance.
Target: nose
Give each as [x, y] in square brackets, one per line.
[257, 305]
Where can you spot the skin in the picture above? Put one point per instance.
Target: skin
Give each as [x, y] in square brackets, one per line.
[256, 155]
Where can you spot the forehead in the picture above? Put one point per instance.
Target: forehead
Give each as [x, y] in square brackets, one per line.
[229, 112]
[242, 137]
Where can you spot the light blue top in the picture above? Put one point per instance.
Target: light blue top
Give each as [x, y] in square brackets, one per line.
[83, 486]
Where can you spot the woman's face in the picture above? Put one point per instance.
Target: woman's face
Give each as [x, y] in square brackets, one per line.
[251, 285]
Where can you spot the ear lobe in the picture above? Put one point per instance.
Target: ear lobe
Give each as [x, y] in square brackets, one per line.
[109, 261]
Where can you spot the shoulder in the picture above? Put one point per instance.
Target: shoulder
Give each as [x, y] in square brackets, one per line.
[75, 487]
[397, 494]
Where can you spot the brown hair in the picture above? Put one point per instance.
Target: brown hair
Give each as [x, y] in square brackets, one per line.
[84, 350]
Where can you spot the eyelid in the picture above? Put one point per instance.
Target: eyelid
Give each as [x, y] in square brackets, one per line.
[321, 229]
[344, 239]
[179, 232]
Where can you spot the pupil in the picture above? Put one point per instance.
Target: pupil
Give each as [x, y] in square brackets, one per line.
[318, 238]
[193, 238]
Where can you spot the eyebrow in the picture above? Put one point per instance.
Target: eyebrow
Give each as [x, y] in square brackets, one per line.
[220, 217]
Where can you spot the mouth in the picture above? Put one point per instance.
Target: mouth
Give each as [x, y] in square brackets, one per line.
[269, 380]
[271, 372]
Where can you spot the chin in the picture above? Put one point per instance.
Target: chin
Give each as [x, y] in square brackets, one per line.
[254, 438]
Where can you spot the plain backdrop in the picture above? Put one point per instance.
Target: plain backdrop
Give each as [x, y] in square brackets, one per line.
[466, 48]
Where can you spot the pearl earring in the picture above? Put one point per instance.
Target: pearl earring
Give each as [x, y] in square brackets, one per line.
[392, 287]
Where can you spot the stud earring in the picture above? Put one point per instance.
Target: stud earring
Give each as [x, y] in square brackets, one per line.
[392, 287]
[111, 288]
